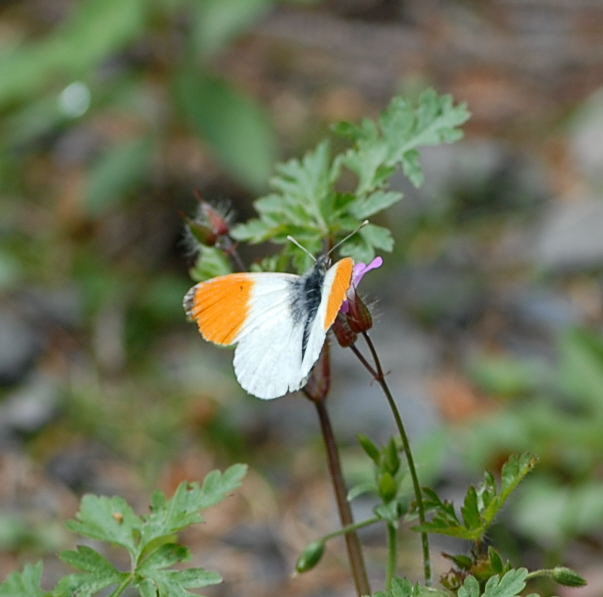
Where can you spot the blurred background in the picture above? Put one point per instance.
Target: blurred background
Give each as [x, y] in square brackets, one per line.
[489, 312]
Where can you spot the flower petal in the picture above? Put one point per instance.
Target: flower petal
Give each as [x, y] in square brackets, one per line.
[361, 269]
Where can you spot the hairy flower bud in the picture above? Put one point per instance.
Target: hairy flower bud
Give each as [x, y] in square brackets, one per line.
[202, 233]
[217, 220]
[209, 224]
[567, 577]
[359, 317]
[341, 328]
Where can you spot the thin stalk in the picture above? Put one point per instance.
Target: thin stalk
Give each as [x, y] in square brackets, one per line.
[378, 375]
[231, 249]
[125, 583]
[351, 527]
[392, 554]
[345, 512]
[364, 361]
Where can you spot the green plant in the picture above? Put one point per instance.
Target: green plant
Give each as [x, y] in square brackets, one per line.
[556, 410]
[314, 200]
[150, 540]
[320, 199]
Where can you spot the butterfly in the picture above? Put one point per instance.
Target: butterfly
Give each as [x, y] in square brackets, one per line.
[278, 321]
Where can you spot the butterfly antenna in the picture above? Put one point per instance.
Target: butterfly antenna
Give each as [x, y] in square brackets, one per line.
[360, 227]
[298, 244]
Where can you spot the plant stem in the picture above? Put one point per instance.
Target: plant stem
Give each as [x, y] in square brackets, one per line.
[351, 527]
[363, 361]
[392, 554]
[231, 249]
[379, 377]
[345, 512]
[125, 583]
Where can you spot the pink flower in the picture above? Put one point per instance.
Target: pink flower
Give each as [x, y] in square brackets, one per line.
[360, 270]
[354, 316]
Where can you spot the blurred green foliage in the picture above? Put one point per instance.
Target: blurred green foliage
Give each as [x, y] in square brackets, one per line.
[556, 411]
[107, 56]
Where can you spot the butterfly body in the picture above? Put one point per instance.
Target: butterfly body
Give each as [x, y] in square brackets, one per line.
[278, 321]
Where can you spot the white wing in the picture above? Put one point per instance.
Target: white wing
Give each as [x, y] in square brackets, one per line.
[268, 358]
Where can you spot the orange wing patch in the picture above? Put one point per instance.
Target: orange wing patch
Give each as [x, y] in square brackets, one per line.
[341, 283]
[220, 306]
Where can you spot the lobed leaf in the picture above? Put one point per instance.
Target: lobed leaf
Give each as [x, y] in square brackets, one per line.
[394, 139]
[108, 519]
[87, 559]
[211, 262]
[510, 585]
[402, 587]
[174, 583]
[24, 583]
[167, 517]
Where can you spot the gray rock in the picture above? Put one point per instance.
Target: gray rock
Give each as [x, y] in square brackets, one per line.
[31, 406]
[585, 140]
[19, 346]
[571, 236]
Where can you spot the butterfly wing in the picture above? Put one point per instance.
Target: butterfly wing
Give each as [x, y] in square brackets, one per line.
[254, 312]
[335, 286]
[277, 345]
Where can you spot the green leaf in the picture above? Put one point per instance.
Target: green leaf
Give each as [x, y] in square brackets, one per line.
[167, 555]
[513, 473]
[510, 585]
[496, 561]
[374, 202]
[217, 485]
[174, 583]
[117, 172]
[89, 560]
[402, 587]
[24, 583]
[470, 588]
[236, 128]
[96, 29]
[305, 185]
[167, 517]
[361, 489]
[369, 447]
[582, 368]
[253, 231]
[211, 262]
[387, 486]
[481, 505]
[88, 583]
[108, 519]
[216, 22]
[378, 237]
[394, 139]
[470, 510]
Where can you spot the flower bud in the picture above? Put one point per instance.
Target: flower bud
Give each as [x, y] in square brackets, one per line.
[358, 316]
[567, 577]
[202, 233]
[345, 336]
[388, 488]
[217, 221]
[310, 556]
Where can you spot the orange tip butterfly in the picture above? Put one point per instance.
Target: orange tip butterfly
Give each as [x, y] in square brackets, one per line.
[278, 321]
